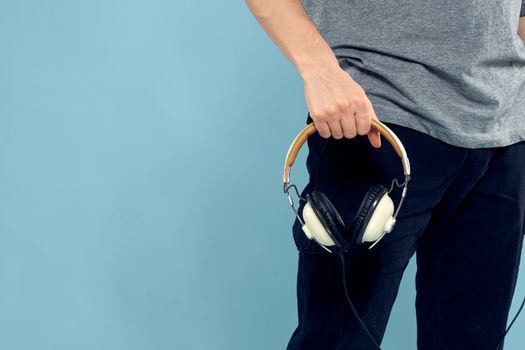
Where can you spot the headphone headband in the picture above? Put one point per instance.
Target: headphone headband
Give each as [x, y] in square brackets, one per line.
[309, 129]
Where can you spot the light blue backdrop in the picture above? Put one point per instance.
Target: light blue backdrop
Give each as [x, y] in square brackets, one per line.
[141, 150]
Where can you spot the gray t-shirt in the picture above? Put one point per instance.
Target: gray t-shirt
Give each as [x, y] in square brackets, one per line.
[452, 69]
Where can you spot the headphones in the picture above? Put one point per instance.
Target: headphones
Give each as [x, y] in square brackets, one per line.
[375, 216]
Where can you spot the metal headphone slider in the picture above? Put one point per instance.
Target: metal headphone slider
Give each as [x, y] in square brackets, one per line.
[287, 186]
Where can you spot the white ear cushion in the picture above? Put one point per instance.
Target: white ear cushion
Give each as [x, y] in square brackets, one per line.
[377, 223]
[315, 228]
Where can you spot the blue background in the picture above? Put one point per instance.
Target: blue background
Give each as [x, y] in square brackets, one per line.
[141, 150]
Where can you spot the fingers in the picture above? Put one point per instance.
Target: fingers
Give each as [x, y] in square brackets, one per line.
[335, 129]
[362, 116]
[349, 129]
[348, 120]
[322, 128]
[349, 126]
[339, 107]
[332, 128]
[328, 122]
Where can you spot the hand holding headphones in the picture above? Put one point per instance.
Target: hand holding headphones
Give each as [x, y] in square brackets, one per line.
[375, 216]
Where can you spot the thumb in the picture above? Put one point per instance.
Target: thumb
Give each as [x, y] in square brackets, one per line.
[375, 138]
[374, 135]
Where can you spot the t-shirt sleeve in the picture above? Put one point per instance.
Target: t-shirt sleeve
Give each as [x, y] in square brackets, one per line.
[522, 12]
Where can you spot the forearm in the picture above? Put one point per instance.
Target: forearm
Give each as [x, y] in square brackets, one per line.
[521, 29]
[289, 26]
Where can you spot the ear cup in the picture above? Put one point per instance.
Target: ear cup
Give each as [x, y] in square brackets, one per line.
[380, 220]
[313, 227]
[365, 212]
[332, 221]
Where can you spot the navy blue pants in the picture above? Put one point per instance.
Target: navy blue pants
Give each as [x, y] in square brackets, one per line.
[464, 218]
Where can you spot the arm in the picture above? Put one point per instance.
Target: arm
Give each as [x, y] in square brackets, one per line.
[521, 25]
[521, 29]
[337, 104]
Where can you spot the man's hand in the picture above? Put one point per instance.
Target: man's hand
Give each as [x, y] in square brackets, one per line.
[339, 106]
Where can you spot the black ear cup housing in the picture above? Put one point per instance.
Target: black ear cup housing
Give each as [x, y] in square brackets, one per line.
[365, 211]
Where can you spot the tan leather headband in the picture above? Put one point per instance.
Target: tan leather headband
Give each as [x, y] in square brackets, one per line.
[309, 129]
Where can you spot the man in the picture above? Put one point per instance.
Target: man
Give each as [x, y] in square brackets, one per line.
[448, 77]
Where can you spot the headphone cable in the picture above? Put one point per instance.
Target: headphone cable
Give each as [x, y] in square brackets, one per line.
[370, 335]
[352, 305]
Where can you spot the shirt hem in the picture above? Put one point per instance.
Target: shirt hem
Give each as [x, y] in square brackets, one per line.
[453, 138]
